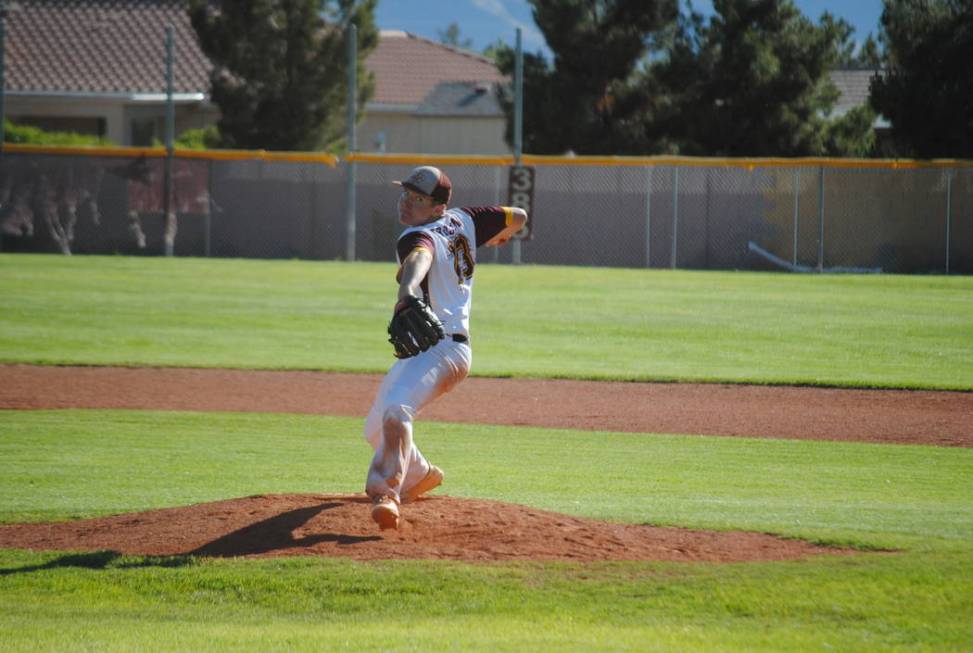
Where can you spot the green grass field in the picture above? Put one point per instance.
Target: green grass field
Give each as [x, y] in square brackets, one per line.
[57, 465]
[763, 328]
[882, 331]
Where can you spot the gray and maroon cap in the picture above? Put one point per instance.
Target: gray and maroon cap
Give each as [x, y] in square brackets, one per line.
[428, 181]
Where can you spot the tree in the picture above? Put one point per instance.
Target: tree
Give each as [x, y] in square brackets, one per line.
[200, 138]
[279, 73]
[851, 135]
[451, 36]
[926, 91]
[491, 51]
[869, 55]
[582, 101]
[849, 53]
[753, 81]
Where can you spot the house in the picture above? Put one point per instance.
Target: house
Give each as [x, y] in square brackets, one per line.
[431, 98]
[853, 88]
[98, 67]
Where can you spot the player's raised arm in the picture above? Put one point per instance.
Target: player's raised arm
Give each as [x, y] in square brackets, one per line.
[516, 219]
[495, 225]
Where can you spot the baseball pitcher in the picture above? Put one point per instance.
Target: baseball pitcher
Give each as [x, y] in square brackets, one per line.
[429, 330]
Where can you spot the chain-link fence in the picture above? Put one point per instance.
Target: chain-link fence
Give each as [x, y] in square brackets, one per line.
[804, 215]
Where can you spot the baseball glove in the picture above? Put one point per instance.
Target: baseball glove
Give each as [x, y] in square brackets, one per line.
[414, 328]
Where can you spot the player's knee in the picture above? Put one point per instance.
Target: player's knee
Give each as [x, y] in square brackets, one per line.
[396, 417]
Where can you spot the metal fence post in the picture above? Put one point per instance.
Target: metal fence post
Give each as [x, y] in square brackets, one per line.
[675, 215]
[168, 210]
[949, 211]
[497, 181]
[797, 193]
[518, 125]
[821, 220]
[3, 83]
[3, 63]
[313, 215]
[208, 217]
[350, 197]
[648, 219]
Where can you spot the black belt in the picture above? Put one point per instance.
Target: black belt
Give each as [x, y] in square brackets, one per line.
[459, 337]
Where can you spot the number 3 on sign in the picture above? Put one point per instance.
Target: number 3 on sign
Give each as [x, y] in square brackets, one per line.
[521, 194]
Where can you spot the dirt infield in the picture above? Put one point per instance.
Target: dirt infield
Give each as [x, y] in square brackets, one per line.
[884, 416]
[451, 528]
[435, 528]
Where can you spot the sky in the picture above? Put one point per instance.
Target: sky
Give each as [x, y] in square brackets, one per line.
[484, 21]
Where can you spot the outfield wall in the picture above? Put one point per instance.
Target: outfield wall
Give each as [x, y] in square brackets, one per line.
[660, 212]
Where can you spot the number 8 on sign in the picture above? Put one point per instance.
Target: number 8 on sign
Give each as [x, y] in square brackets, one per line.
[521, 194]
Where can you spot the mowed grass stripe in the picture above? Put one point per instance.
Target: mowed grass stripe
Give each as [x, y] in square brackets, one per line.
[68, 464]
[910, 601]
[598, 323]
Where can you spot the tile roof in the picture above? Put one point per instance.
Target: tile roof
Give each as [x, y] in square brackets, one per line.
[853, 86]
[407, 68]
[117, 46]
[101, 46]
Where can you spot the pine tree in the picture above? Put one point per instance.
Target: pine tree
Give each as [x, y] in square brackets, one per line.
[927, 89]
[279, 75]
[753, 81]
[581, 101]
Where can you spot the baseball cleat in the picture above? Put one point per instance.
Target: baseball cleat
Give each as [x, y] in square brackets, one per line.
[385, 512]
[432, 480]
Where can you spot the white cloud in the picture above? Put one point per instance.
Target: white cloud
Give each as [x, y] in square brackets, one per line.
[532, 36]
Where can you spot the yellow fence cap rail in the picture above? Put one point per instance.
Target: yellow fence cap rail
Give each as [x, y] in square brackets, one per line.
[651, 161]
[747, 163]
[430, 159]
[498, 160]
[158, 152]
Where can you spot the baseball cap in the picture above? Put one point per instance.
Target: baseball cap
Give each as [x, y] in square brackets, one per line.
[428, 181]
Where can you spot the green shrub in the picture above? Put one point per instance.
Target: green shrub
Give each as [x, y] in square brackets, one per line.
[27, 135]
[203, 138]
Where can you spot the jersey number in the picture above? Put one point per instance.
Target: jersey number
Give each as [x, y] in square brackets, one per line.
[459, 247]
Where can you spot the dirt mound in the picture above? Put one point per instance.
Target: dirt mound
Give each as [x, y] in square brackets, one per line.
[338, 525]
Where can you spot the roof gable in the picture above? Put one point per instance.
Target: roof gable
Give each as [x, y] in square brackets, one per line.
[408, 68]
[853, 86]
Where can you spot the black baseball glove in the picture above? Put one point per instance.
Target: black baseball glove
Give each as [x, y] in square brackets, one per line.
[414, 328]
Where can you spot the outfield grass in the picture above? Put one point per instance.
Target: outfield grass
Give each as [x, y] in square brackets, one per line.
[59, 464]
[879, 331]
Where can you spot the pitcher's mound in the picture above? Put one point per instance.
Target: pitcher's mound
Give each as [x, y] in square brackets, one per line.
[436, 527]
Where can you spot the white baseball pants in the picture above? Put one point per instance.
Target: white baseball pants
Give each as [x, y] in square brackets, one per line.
[410, 385]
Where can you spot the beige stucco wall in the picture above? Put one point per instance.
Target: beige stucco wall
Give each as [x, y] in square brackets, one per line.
[405, 132]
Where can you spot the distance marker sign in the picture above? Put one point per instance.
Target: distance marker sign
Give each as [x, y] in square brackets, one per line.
[520, 193]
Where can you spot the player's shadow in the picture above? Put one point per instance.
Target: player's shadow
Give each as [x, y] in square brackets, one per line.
[101, 560]
[276, 534]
